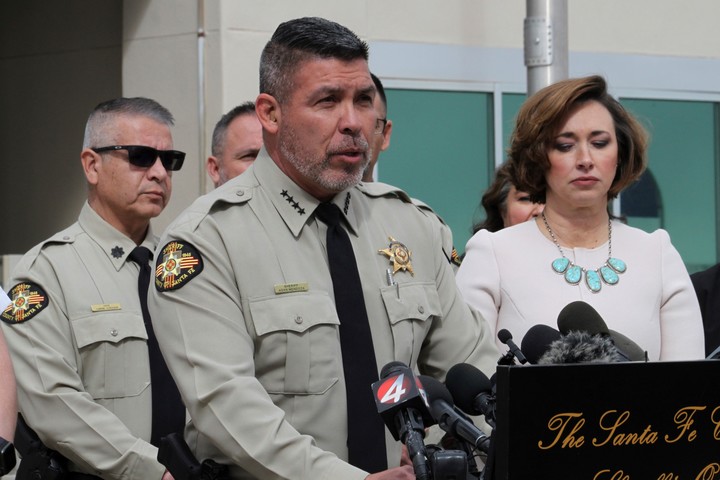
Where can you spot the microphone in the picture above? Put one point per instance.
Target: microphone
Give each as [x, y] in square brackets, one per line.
[581, 316]
[506, 337]
[401, 403]
[581, 347]
[472, 391]
[537, 341]
[449, 418]
[631, 350]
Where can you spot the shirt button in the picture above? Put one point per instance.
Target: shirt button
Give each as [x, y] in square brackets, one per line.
[421, 309]
[240, 193]
[298, 319]
[114, 332]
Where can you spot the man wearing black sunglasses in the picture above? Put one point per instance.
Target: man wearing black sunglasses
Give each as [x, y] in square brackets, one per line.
[77, 327]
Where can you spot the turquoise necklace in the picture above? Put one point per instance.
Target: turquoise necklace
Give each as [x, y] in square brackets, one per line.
[594, 279]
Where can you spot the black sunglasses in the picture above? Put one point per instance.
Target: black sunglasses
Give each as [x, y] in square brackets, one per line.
[145, 157]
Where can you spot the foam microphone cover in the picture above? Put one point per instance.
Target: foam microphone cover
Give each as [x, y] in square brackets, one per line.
[581, 316]
[465, 382]
[537, 341]
[581, 347]
[632, 350]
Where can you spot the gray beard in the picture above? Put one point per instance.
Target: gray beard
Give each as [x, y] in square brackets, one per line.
[317, 168]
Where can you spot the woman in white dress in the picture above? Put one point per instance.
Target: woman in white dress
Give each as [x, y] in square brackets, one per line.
[575, 148]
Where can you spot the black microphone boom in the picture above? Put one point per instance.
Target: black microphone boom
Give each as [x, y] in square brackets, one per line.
[506, 337]
[448, 418]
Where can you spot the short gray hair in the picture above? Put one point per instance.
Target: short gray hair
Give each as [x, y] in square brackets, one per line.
[105, 113]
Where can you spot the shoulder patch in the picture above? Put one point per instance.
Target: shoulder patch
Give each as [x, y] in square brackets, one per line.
[28, 299]
[178, 263]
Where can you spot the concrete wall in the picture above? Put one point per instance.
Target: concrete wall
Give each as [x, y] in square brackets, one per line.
[57, 61]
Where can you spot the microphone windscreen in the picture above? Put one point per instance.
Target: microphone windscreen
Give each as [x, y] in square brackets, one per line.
[435, 390]
[504, 335]
[580, 316]
[391, 367]
[537, 341]
[581, 347]
[632, 350]
[465, 382]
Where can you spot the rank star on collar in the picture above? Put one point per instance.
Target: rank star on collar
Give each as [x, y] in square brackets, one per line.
[399, 256]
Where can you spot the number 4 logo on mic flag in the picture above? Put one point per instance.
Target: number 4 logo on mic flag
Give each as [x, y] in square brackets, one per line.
[393, 390]
[400, 388]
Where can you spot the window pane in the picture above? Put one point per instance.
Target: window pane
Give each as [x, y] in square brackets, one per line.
[682, 162]
[440, 152]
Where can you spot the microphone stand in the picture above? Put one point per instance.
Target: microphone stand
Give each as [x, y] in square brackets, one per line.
[507, 359]
[488, 472]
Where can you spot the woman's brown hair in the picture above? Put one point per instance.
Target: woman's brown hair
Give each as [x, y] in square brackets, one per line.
[545, 112]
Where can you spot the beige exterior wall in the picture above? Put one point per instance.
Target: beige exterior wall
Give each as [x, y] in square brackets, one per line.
[56, 70]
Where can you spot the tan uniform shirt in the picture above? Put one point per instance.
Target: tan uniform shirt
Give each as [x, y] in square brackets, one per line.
[250, 331]
[79, 350]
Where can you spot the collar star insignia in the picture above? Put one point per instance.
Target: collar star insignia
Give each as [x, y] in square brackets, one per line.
[117, 252]
[399, 256]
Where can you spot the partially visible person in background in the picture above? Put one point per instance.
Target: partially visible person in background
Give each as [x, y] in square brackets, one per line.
[8, 400]
[707, 288]
[380, 141]
[575, 148]
[236, 141]
[505, 205]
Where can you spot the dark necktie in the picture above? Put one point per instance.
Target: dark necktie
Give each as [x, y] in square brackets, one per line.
[366, 431]
[168, 411]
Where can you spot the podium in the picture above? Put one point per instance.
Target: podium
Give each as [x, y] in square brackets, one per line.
[619, 421]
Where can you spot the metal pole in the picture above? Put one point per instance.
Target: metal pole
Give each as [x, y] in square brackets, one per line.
[546, 43]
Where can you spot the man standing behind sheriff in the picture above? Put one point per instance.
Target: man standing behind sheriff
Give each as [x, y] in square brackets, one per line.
[236, 142]
[249, 321]
[76, 333]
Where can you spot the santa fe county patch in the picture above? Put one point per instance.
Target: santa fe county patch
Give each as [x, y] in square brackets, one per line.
[28, 299]
[178, 263]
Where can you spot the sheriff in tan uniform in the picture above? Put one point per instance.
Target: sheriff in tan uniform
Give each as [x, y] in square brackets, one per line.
[78, 344]
[249, 329]
[75, 327]
[244, 303]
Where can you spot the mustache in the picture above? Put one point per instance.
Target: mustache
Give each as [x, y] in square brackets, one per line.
[350, 143]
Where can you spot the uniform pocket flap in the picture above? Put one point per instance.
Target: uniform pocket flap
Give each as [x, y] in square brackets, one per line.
[108, 327]
[411, 300]
[292, 312]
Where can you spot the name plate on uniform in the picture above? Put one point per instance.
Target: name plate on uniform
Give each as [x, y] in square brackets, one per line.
[620, 421]
[105, 307]
[291, 287]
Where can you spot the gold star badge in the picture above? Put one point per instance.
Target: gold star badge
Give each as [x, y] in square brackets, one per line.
[399, 256]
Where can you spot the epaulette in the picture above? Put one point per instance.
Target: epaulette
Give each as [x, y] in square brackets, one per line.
[379, 189]
[425, 208]
[229, 193]
[62, 237]
[237, 190]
